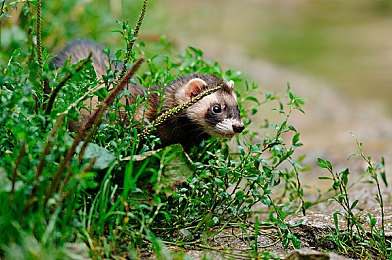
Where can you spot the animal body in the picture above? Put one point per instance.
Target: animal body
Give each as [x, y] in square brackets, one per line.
[215, 115]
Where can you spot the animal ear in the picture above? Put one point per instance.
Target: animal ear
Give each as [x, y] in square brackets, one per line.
[194, 87]
[230, 84]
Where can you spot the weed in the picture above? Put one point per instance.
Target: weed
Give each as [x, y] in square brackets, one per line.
[136, 199]
[61, 191]
[355, 240]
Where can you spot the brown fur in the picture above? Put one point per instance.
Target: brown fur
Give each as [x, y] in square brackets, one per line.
[188, 127]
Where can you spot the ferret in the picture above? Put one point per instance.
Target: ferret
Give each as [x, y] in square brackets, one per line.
[216, 114]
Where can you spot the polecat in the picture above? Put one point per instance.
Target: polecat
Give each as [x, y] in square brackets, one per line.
[215, 115]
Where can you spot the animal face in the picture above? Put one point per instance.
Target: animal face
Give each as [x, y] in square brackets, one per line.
[218, 113]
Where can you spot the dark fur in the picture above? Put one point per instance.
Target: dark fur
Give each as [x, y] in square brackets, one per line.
[177, 129]
[79, 50]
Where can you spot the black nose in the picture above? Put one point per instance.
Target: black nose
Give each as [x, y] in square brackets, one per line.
[238, 128]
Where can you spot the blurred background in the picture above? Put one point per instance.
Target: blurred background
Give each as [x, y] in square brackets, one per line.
[335, 53]
[346, 43]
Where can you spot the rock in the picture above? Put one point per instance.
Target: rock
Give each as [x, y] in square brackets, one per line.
[309, 254]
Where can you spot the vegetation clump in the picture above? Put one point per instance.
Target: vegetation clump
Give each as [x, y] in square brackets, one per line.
[96, 193]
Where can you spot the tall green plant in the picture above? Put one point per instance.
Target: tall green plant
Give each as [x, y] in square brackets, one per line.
[58, 188]
[355, 240]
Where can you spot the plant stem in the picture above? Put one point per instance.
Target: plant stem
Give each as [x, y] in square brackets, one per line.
[39, 44]
[132, 40]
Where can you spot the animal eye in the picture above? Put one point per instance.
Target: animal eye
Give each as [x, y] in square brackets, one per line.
[216, 109]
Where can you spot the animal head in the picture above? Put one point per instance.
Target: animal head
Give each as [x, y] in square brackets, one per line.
[218, 113]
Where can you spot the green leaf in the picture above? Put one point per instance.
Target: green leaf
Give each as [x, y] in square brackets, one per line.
[176, 168]
[295, 138]
[296, 241]
[214, 221]
[103, 157]
[336, 184]
[239, 195]
[6, 183]
[253, 99]
[354, 204]
[292, 128]
[267, 95]
[324, 164]
[87, 180]
[373, 221]
[186, 233]
[382, 173]
[345, 174]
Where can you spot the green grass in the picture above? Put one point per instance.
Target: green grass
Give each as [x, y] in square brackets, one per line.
[111, 199]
